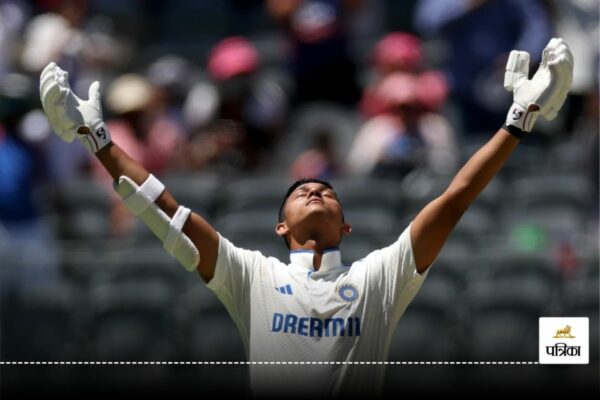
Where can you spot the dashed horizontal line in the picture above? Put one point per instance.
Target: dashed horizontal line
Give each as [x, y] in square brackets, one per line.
[269, 362]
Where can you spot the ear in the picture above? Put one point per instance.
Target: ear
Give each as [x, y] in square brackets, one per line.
[281, 229]
[346, 229]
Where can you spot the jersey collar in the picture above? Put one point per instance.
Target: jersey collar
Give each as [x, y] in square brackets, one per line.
[331, 259]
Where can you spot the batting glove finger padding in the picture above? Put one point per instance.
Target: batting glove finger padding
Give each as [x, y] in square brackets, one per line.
[546, 92]
[517, 69]
[68, 114]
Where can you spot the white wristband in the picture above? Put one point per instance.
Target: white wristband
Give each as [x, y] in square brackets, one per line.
[144, 196]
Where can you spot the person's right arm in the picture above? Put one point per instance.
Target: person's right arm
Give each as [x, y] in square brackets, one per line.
[185, 235]
[201, 233]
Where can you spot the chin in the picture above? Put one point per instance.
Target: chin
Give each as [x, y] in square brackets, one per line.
[317, 211]
[318, 217]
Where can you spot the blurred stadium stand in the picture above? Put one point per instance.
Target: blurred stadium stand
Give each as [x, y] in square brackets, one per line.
[528, 246]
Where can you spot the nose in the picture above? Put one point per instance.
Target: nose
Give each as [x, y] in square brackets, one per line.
[314, 191]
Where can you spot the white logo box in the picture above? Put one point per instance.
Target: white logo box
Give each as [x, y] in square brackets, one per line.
[564, 340]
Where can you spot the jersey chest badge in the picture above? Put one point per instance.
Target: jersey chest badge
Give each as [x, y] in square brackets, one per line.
[348, 292]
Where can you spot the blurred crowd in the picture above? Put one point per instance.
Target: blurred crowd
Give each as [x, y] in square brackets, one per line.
[190, 86]
[228, 101]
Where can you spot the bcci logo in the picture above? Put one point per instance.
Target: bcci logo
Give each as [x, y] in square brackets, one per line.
[348, 292]
[564, 341]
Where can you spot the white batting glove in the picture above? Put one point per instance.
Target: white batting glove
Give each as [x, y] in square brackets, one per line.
[545, 93]
[70, 116]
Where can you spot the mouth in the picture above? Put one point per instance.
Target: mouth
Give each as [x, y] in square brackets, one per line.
[315, 200]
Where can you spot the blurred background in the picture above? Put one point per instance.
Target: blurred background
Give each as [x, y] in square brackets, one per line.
[228, 102]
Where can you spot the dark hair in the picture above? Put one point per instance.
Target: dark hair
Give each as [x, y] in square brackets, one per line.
[291, 189]
[295, 186]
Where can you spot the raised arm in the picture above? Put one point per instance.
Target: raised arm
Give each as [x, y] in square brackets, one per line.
[543, 95]
[186, 235]
[200, 232]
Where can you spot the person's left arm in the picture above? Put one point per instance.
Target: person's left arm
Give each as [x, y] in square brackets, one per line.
[543, 95]
[432, 226]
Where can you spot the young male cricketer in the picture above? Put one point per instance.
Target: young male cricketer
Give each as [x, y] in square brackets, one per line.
[313, 309]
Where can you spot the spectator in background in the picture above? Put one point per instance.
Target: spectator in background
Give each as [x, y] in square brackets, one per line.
[407, 133]
[237, 115]
[68, 33]
[22, 169]
[395, 52]
[319, 61]
[317, 162]
[142, 122]
[577, 22]
[13, 16]
[20, 164]
[172, 77]
[479, 35]
[55, 35]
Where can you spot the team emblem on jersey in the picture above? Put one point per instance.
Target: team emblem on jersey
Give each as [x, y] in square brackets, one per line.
[348, 292]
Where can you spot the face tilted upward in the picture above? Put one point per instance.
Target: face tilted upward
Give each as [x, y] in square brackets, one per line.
[313, 199]
[313, 209]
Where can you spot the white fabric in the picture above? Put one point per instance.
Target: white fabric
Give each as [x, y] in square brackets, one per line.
[517, 68]
[183, 249]
[546, 92]
[67, 112]
[175, 228]
[293, 313]
[145, 195]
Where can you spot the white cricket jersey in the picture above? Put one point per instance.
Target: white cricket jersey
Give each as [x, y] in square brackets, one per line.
[338, 313]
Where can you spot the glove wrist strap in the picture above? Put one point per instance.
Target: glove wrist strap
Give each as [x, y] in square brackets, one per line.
[96, 139]
[521, 118]
[513, 130]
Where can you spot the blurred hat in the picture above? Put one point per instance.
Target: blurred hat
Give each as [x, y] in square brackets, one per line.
[127, 93]
[398, 50]
[231, 57]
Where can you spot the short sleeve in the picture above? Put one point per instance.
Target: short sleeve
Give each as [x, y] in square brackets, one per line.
[233, 275]
[393, 271]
